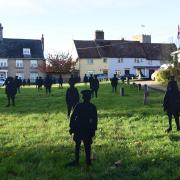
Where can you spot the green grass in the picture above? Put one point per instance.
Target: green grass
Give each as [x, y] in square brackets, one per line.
[35, 143]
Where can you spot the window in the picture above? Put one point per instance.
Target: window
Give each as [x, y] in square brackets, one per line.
[19, 63]
[90, 72]
[20, 75]
[34, 63]
[105, 60]
[3, 63]
[26, 51]
[33, 76]
[150, 62]
[90, 61]
[136, 60]
[120, 60]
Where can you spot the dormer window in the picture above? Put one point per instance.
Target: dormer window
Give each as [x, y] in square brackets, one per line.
[26, 52]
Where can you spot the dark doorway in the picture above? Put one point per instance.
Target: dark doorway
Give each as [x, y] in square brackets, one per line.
[151, 71]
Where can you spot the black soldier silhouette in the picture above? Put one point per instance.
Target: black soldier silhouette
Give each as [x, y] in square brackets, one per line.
[171, 103]
[60, 81]
[72, 97]
[28, 82]
[95, 86]
[114, 83]
[90, 81]
[24, 82]
[71, 80]
[85, 79]
[48, 84]
[10, 90]
[18, 83]
[83, 124]
[39, 83]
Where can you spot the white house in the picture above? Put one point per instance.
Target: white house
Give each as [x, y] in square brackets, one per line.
[176, 53]
[122, 57]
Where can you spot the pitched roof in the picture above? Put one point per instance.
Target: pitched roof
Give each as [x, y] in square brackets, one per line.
[123, 49]
[13, 48]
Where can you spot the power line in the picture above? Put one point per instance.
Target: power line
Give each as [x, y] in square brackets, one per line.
[110, 45]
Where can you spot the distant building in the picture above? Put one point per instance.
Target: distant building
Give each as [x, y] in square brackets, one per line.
[20, 57]
[176, 53]
[142, 38]
[122, 57]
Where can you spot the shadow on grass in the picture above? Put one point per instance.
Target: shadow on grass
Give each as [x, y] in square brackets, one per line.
[174, 137]
[49, 162]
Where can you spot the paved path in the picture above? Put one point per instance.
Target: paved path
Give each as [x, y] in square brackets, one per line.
[153, 85]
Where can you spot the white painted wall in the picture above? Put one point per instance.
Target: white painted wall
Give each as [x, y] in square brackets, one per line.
[129, 63]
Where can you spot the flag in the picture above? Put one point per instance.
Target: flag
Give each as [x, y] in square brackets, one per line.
[178, 34]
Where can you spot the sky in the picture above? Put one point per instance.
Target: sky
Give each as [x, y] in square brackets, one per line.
[62, 21]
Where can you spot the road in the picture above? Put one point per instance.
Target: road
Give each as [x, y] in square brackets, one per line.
[153, 85]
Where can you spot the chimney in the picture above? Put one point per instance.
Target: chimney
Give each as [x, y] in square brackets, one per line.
[99, 35]
[42, 41]
[1, 32]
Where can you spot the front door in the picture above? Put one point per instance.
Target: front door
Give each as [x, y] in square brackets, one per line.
[151, 71]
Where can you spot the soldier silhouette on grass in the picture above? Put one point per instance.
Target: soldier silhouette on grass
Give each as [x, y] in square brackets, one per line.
[171, 103]
[48, 84]
[83, 124]
[85, 79]
[114, 83]
[72, 97]
[10, 90]
[60, 81]
[39, 83]
[95, 86]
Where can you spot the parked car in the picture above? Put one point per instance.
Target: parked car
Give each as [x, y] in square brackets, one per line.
[2, 81]
[102, 77]
[131, 76]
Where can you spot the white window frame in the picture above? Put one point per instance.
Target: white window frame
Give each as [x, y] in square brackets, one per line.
[34, 63]
[90, 61]
[27, 51]
[33, 76]
[20, 75]
[19, 63]
[120, 60]
[136, 60]
[150, 62]
[104, 60]
[90, 72]
[3, 63]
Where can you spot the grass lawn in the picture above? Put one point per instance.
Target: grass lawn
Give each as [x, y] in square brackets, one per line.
[35, 141]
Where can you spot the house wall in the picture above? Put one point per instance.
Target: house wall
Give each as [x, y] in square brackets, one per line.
[26, 69]
[129, 63]
[97, 67]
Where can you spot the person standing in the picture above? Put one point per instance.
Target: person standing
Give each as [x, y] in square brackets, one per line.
[39, 83]
[18, 83]
[171, 104]
[90, 81]
[95, 86]
[114, 83]
[85, 79]
[28, 82]
[10, 90]
[71, 80]
[60, 81]
[48, 84]
[83, 124]
[72, 98]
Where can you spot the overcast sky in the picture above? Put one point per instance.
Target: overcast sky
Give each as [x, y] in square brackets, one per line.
[61, 21]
